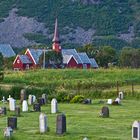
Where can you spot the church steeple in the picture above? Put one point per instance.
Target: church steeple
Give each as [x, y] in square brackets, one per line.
[56, 46]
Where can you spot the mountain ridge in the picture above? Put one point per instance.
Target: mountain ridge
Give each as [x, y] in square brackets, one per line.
[81, 22]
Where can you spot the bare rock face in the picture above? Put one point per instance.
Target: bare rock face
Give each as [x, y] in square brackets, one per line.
[14, 27]
[79, 36]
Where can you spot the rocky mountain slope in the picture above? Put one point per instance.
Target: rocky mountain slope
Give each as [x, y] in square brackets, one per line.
[101, 22]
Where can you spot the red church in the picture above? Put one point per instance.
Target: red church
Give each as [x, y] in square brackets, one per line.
[71, 58]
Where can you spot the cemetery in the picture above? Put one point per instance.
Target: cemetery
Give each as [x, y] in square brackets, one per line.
[45, 113]
[94, 121]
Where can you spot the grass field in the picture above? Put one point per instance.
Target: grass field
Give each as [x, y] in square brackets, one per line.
[82, 120]
[99, 83]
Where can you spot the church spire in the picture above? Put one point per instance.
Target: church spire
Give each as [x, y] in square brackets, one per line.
[56, 46]
[56, 34]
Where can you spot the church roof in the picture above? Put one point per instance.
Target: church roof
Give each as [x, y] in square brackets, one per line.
[72, 52]
[36, 53]
[6, 50]
[85, 59]
[25, 59]
[93, 63]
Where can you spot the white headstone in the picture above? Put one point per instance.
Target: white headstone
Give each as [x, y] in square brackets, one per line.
[85, 138]
[109, 101]
[118, 100]
[54, 107]
[121, 96]
[24, 106]
[8, 132]
[12, 104]
[42, 123]
[3, 99]
[136, 130]
[9, 97]
[30, 100]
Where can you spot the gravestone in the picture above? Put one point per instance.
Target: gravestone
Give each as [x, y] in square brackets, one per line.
[12, 104]
[54, 106]
[17, 111]
[85, 138]
[12, 122]
[22, 95]
[136, 130]
[8, 131]
[9, 98]
[1, 111]
[44, 96]
[34, 98]
[87, 101]
[41, 101]
[4, 110]
[109, 101]
[43, 123]
[61, 124]
[3, 99]
[104, 112]
[24, 106]
[121, 96]
[30, 99]
[118, 100]
[36, 107]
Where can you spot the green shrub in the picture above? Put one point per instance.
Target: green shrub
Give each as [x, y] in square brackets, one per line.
[61, 96]
[77, 99]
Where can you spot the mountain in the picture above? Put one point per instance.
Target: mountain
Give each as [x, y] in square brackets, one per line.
[100, 22]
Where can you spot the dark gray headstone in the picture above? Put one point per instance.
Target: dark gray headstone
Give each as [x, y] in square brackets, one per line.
[12, 122]
[41, 101]
[17, 111]
[4, 110]
[61, 124]
[36, 107]
[44, 96]
[115, 103]
[22, 95]
[105, 112]
[87, 101]
[135, 132]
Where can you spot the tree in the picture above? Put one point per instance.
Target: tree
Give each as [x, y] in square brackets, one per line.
[130, 57]
[89, 49]
[106, 55]
[52, 59]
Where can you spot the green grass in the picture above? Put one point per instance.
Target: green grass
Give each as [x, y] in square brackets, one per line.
[100, 83]
[65, 76]
[82, 120]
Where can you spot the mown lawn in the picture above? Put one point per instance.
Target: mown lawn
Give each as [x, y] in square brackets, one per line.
[82, 120]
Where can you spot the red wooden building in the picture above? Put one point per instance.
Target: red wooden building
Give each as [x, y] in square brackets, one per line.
[22, 62]
[29, 60]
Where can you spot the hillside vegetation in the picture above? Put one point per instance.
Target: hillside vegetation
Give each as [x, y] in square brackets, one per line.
[116, 23]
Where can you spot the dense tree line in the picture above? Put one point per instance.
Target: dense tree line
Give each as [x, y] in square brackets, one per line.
[108, 56]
